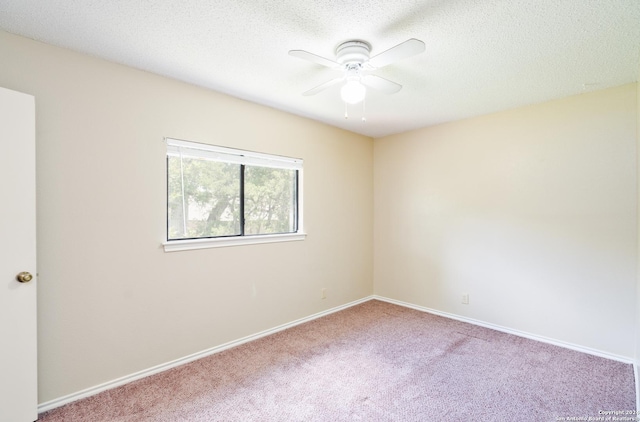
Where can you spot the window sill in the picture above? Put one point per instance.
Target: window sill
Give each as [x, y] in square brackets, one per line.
[222, 242]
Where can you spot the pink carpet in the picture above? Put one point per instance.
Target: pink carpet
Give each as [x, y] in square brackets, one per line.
[374, 362]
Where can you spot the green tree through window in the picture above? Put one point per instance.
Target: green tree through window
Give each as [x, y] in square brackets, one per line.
[224, 192]
[270, 195]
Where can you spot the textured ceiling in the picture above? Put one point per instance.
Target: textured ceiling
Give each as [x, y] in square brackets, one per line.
[481, 56]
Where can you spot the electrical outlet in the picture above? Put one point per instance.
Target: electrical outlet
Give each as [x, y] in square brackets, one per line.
[323, 293]
[465, 299]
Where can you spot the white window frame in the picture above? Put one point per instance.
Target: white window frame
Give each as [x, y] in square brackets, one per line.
[238, 156]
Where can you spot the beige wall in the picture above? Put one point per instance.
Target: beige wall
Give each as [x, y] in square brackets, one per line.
[532, 212]
[111, 302]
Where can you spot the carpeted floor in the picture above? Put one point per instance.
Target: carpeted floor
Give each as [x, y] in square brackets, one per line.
[374, 362]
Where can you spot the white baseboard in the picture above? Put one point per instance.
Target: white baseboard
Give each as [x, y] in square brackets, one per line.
[507, 330]
[52, 404]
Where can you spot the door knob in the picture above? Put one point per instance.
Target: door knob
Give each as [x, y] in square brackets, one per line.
[24, 277]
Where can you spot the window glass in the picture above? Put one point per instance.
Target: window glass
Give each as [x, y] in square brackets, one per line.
[204, 198]
[270, 200]
[221, 192]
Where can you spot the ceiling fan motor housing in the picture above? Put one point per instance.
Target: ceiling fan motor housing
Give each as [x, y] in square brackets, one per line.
[352, 52]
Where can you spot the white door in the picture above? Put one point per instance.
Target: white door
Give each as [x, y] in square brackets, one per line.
[18, 347]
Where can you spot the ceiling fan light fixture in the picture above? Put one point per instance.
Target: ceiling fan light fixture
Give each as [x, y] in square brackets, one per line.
[353, 92]
[352, 57]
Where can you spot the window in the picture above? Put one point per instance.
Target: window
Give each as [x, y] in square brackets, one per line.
[219, 196]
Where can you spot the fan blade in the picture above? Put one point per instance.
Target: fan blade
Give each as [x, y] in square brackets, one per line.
[322, 87]
[381, 84]
[315, 59]
[401, 51]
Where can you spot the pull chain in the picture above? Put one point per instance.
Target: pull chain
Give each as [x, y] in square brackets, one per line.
[364, 119]
[346, 110]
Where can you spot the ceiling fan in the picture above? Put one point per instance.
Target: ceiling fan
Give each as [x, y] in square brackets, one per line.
[352, 58]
